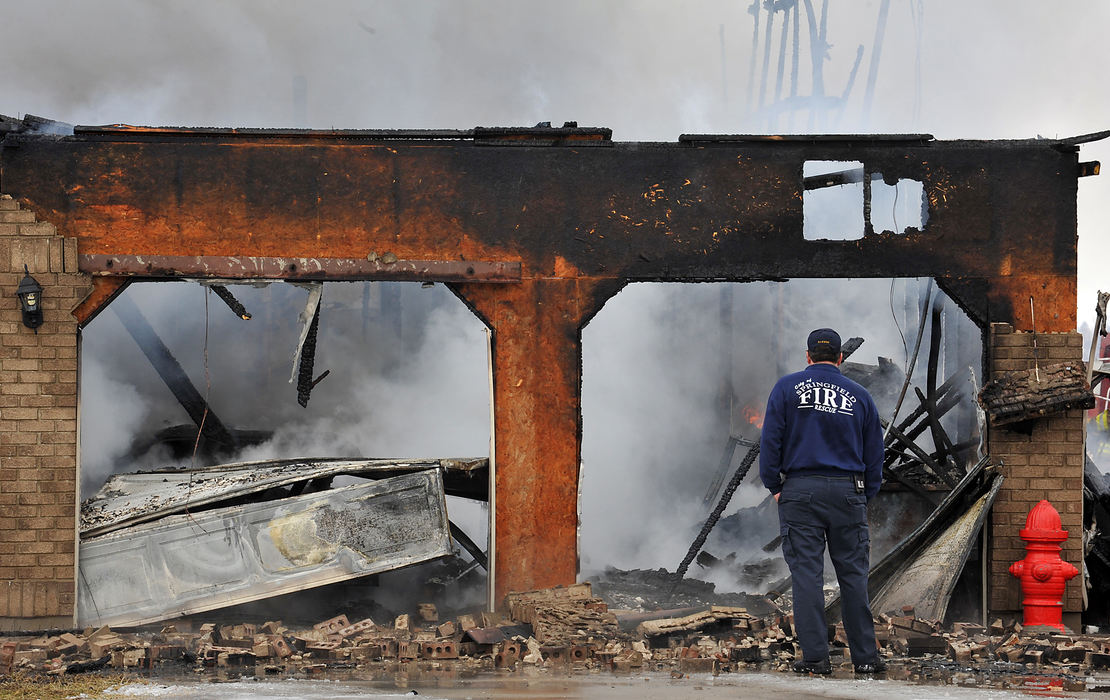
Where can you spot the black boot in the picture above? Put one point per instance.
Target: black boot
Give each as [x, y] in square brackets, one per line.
[876, 666]
[821, 667]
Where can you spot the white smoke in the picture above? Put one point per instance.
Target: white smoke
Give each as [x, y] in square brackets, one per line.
[106, 433]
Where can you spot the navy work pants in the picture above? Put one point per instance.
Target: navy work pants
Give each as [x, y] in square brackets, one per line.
[815, 510]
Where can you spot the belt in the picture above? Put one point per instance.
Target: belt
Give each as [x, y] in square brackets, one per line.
[823, 473]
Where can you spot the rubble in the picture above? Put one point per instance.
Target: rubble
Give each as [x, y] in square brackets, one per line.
[559, 631]
[647, 590]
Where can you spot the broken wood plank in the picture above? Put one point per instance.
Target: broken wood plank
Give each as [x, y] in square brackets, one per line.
[1019, 396]
[695, 621]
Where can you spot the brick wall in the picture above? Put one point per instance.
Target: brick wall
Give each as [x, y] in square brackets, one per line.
[1047, 464]
[38, 425]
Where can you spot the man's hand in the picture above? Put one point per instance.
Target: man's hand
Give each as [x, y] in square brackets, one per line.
[777, 496]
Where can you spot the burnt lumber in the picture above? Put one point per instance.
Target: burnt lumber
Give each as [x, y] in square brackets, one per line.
[228, 298]
[469, 545]
[940, 438]
[940, 472]
[911, 464]
[849, 347]
[726, 461]
[1016, 397]
[305, 379]
[711, 521]
[913, 356]
[945, 399]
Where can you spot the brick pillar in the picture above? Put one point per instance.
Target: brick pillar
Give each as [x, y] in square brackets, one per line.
[38, 425]
[1047, 464]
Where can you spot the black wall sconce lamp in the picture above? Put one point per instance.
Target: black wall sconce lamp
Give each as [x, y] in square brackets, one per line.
[30, 300]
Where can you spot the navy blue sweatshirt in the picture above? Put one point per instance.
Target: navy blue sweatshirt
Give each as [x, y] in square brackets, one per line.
[819, 421]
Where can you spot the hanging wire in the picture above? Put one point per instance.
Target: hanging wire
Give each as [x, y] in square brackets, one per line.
[894, 209]
[207, 385]
[894, 315]
[204, 416]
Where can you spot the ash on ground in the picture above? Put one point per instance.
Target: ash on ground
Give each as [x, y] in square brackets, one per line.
[651, 589]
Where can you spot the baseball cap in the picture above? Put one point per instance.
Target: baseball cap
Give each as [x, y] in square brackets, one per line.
[825, 338]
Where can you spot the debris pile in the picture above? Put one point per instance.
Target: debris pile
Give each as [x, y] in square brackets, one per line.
[560, 630]
[657, 589]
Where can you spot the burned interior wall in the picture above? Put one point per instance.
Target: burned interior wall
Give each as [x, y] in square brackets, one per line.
[38, 425]
[1040, 460]
[577, 214]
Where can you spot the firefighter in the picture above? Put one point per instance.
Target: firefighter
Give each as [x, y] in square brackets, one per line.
[821, 455]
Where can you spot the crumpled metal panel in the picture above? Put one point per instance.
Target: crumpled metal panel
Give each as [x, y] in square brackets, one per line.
[190, 563]
[926, 583]
[129, 499]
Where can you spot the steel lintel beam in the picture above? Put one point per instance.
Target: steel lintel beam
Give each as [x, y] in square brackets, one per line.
[324, 269]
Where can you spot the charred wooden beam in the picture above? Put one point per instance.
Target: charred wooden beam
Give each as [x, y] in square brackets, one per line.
[307, 359]
[944, 454]
[469, 545]
[940, 439]
[849, 347]
[711, 521]
[382, 267]
[891, 475]
[228, 298]
[722, 468]
[946, 404]
[941, 391]
[940, 472]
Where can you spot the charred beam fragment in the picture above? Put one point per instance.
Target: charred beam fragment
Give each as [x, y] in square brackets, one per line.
[891, 475]
[305, 380]
[941, 393]
[171, 372]
[383, 267]
[228, 298]
[711, 521]
[946, 403]
[726, 460]
[940, 439]
[849, 347]
[841, 177]
[945, 450]
[907, 461]
[921, 454]
[469, 545]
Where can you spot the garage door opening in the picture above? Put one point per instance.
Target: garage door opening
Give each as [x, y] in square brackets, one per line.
[398, 374]
[675, 381]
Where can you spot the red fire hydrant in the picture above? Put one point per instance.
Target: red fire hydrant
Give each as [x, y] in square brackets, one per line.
[1042, 572]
